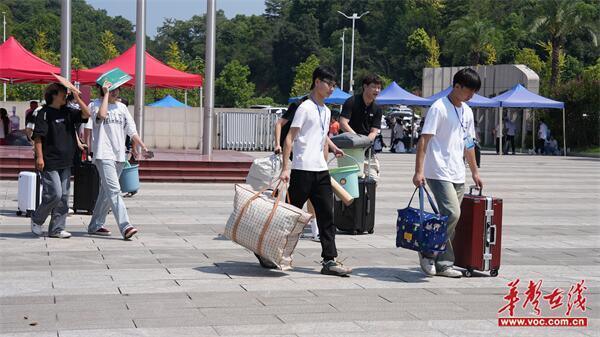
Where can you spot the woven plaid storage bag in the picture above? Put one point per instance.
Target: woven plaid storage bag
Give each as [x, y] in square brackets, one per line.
[420, 230]
[265, 225]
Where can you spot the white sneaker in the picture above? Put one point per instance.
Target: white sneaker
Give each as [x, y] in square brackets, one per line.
[61, 235]
[70, 212]
[427, 265]
[36, 229]
[450, 272]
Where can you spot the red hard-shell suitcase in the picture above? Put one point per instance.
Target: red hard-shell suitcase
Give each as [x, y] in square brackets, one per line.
[478, 238]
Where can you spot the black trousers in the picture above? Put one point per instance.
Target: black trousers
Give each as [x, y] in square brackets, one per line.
[498, 144]
[539, 146]
[316, 187]
[510, 141]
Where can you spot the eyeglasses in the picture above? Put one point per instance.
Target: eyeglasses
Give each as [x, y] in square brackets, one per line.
[329, 83]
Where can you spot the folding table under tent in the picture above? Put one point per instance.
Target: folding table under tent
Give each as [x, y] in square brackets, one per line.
[520, 97]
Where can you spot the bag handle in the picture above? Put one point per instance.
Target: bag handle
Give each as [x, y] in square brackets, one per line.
[269, 219]
[356, 161]
[422, 189]
[476, 188]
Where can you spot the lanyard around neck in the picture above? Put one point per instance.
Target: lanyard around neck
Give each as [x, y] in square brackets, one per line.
[320, 118]
[462, 114]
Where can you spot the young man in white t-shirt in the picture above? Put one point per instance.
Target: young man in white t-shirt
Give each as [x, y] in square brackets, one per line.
[110, 123]
[446, 139]
[309, 178]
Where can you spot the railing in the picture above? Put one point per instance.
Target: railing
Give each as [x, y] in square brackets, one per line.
[246, 131]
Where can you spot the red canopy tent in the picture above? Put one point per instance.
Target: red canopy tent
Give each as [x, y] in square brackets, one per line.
[158, 74]
[18, 65]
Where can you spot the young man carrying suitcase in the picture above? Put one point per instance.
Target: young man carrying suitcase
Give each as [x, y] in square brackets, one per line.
[309, 178]
[446, 137]
[54, 143]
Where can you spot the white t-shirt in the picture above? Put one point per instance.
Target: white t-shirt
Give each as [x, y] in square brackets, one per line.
[511, 128]
[543, 131]
[108, 135]
[444, 154]
[313, 121]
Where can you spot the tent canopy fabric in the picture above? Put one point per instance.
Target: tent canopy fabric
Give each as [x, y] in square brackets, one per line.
[520, 97]
[475, 101]
[158, 74]
[337, 97]
[168, 102]
[18, 65]
[394, 94]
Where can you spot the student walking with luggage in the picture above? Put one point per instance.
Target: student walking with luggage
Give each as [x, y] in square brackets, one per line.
[361, 115]
[55, 145]
[282, 128]
[309, 178]
[110, 123]
[446, 138]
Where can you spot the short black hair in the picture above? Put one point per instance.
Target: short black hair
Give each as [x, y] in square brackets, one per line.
[372, 78]
[124, 101]
[467, 77]
[52, 90]
[322, 73]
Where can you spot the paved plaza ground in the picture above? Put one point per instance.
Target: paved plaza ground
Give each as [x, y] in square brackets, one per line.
[179, 277]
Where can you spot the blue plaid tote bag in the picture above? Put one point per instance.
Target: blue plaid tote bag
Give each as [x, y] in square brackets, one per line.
[419, 230]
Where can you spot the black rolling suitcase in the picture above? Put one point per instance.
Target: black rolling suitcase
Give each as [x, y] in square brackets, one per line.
[87, 186]
[359, 217]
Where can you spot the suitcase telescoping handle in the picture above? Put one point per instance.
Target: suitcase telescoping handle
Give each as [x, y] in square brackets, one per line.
[491, 235]
[474, 187]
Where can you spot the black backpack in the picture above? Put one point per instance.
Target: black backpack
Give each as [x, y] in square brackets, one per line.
[289, 115]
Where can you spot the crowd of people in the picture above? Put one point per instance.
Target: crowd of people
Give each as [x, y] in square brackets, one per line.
[60, 130]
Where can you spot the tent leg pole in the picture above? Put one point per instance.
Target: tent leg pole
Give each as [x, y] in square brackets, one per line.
[564, 135]
[533, 132]
[499, 135]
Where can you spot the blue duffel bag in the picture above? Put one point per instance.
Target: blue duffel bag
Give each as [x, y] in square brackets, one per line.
[422, 231]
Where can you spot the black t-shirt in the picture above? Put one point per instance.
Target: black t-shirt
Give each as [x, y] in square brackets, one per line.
[362, 118]
[57, 130]
[289, 115]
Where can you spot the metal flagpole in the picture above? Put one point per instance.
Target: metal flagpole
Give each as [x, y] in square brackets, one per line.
[564, 135]
[209, 77]
[342, 72]
[65, 39]
[3, 40]
[140, 65]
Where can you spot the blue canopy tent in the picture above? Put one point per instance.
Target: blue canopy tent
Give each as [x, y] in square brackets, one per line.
[477, 101]
[394, 94]
[337, 97]
[168, 102]
[520, 97]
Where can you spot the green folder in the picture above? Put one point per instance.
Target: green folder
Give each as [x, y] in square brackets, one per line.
[116, 77]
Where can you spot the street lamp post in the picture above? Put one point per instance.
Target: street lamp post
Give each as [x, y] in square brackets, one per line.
[342, 72]
[354, 17]
[3, 40]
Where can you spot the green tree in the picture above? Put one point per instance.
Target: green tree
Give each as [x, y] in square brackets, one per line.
[232, 86]
[470, 36]
[433, 49]
[174, 58]
[559, 19]
[528, 57]
[109, 51]
[41, 49]
[303, 77]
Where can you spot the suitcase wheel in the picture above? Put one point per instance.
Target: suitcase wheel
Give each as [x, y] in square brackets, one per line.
[19, 213]
[494, 272]
[90, 212]
[29, 214]
[371, 231]
[468, 272]
[355, 232]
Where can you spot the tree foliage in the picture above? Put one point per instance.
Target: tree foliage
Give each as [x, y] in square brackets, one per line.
[303, 77]
[232, 88]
